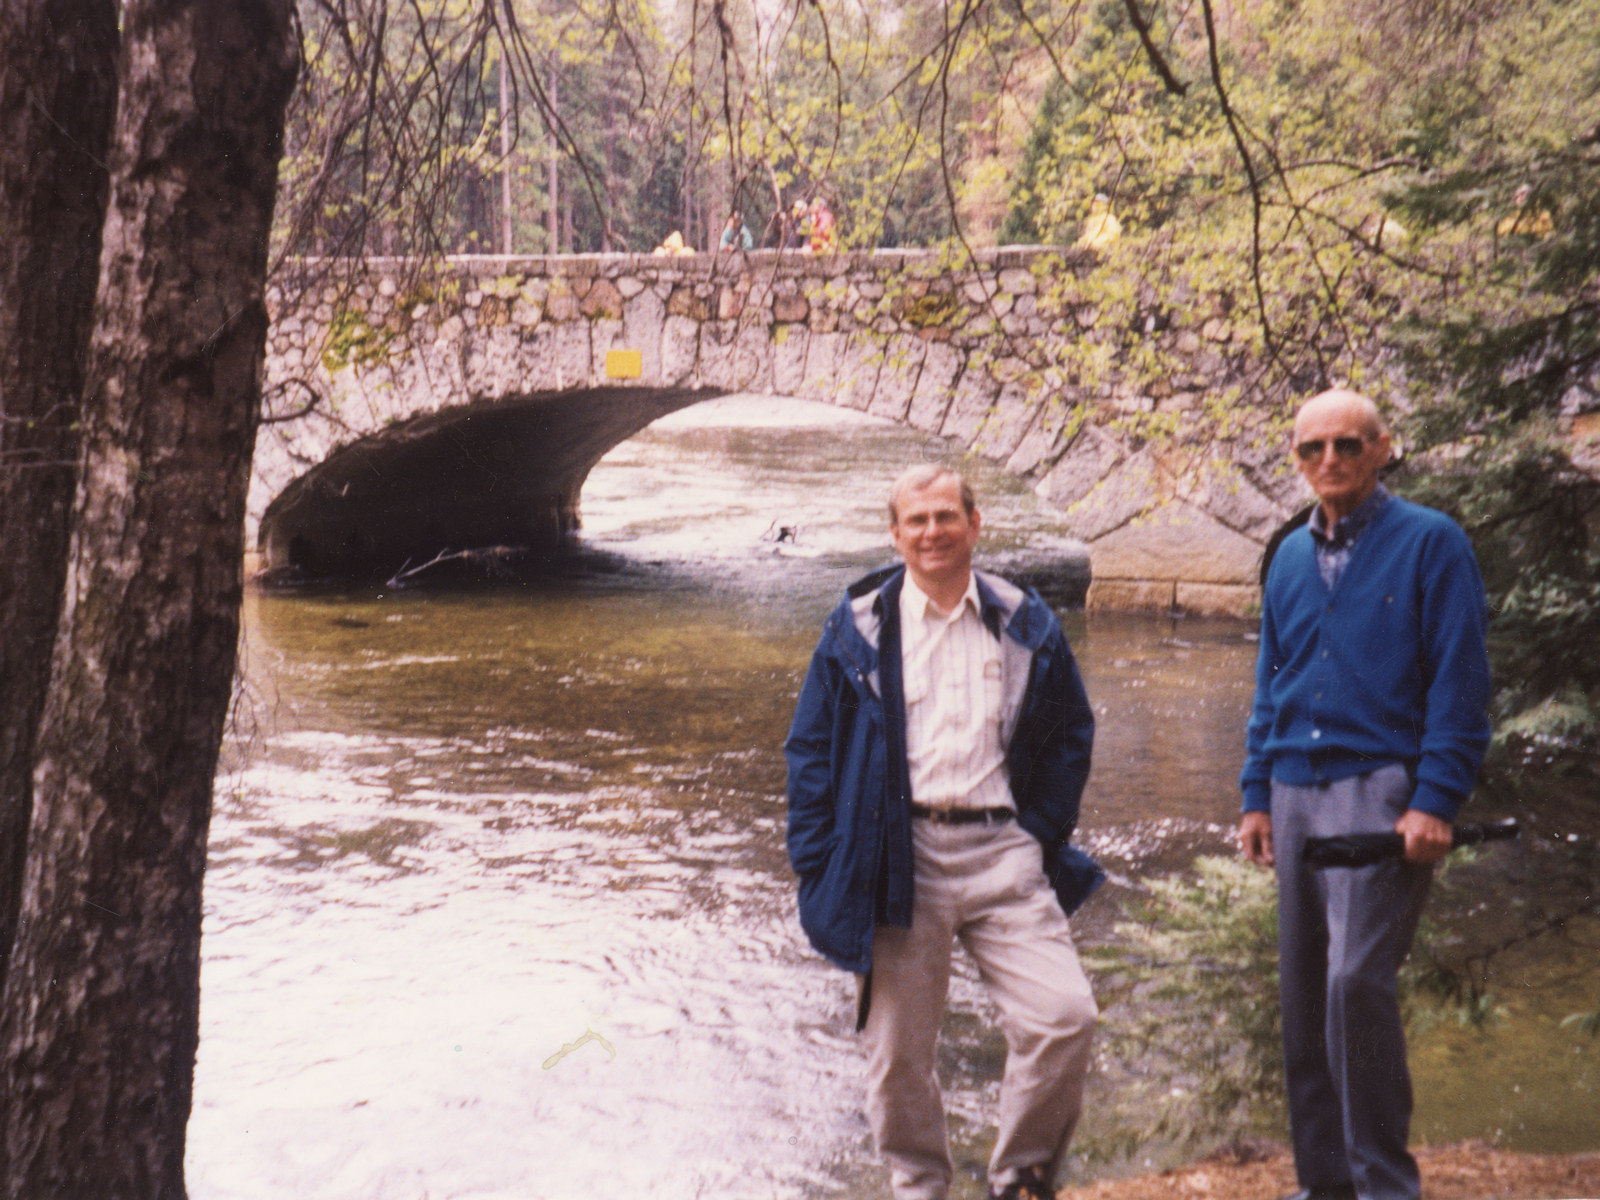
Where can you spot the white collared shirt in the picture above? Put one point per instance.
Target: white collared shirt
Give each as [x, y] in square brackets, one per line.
[950, 664]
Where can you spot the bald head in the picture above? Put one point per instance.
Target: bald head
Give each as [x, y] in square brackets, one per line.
[1342, 402]
[1340, 445]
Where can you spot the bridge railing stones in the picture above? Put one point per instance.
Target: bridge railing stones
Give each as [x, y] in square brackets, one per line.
[968, 352]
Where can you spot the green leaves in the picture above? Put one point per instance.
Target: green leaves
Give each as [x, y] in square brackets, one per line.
[1189, 993]
[1391, 201]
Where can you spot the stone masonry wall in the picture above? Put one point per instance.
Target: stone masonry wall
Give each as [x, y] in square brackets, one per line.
[1172, 519]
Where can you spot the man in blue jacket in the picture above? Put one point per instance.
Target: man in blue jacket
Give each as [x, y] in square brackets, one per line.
[1372, 691]
[938, 753]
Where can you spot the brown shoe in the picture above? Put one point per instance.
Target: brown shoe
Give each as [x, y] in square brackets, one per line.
[1028, 1185]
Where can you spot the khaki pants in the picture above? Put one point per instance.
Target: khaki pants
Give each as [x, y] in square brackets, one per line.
[984, 884]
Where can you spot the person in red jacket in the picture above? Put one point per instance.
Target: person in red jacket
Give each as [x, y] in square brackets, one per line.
[820, 228]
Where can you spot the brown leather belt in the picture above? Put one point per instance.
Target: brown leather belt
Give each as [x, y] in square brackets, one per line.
[961, 816]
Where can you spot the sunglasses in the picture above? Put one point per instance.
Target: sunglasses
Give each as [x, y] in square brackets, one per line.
[1344, 447]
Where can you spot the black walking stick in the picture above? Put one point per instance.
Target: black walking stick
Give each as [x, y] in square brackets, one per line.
[1364, 849]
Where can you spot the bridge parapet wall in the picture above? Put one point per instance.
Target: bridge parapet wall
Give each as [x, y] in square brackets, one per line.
[1172, 514]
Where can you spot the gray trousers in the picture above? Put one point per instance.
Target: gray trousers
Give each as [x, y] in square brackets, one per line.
[1342, 936]
[984, 884]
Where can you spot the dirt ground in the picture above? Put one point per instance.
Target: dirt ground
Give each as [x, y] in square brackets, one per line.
[1464, 1171]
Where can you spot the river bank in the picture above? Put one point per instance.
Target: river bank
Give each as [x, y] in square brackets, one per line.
[1265, 1171]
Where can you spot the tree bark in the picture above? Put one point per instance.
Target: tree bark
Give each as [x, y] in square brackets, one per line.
[58, 71]
[505, 155]
[99, 1017]
[552, 168]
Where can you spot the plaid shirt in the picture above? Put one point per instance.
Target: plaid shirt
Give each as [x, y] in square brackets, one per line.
[1334, 549]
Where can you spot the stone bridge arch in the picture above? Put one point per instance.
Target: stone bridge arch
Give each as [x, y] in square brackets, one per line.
[497, 472]
[419, 398]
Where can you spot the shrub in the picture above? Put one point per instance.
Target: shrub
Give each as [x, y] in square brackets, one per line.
[1190, 999]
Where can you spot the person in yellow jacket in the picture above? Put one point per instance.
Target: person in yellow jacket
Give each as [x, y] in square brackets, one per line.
[1525, 222]
[1102, 228]
[673, 246]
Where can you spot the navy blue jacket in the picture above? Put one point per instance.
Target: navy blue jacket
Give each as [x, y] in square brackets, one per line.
[849, 786]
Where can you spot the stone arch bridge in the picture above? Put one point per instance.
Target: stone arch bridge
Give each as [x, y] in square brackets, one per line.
[465, 407]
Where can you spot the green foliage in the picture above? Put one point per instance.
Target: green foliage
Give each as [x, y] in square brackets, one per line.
[1114, 127]
[1190, 1013]
[623, 162]
[933, 309]
[1190, 1006]
[353, 340]
[1022, 222]
[1566, 717]
[1502, 356]
[1528, 512]
[400, 129]
[1443, 981]
[1347, 179]
[845, 108]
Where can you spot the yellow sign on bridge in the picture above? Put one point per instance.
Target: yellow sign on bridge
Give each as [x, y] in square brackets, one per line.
[624, 364]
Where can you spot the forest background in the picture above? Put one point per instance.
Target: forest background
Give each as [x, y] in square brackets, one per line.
[1399, 195]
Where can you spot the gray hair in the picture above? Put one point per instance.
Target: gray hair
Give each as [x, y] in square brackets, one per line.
[925, 475]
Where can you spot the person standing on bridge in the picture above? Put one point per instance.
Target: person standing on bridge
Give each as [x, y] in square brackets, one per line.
[736, 234]
[1372, 691]
[819, 229]
[938, 753]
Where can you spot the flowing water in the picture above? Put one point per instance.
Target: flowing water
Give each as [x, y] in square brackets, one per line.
[498, 904]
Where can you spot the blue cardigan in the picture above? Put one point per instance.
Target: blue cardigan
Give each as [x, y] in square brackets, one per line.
[1389, 667]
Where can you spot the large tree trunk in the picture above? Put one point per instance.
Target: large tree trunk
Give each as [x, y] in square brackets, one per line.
[98, 1021]
[58, 65]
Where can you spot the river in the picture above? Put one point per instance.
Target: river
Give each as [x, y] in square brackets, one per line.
[498, 905]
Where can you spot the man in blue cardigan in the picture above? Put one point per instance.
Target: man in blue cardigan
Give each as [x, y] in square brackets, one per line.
[1372, 691]
[938, 752]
